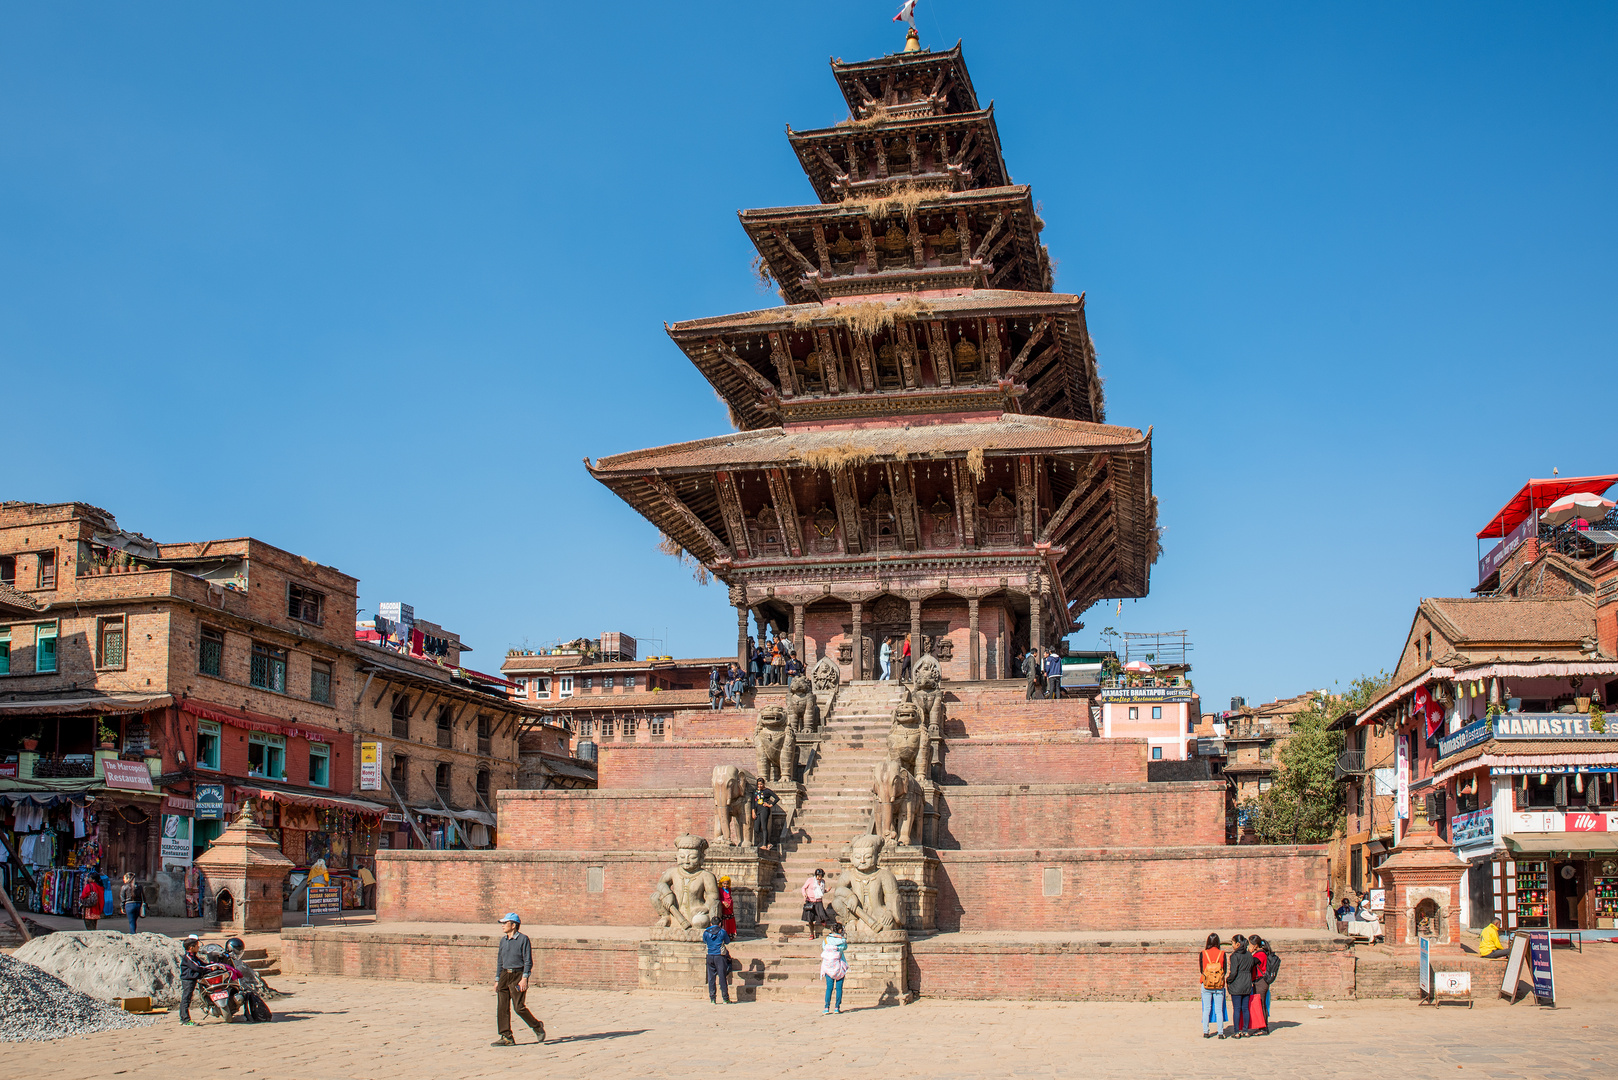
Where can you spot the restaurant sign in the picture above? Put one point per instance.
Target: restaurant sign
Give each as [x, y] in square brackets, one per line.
[1145, 695]
[1549, 726]
[1466, 738]
[210, 802]
[133, 775]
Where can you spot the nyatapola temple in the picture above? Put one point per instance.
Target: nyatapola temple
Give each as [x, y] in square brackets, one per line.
[921, 449]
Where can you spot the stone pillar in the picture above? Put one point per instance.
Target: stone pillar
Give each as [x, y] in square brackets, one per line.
[915, 634]
[797, 634]
[859, 643]
[1035, 620]
[972, 638]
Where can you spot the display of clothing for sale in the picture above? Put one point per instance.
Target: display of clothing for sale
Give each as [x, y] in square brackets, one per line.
[77, 814]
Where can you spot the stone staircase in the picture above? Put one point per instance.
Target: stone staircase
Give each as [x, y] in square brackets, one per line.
[262, 962]
[836, 808]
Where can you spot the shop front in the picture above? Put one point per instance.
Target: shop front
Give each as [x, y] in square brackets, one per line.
[1559, 871]
[342, 834]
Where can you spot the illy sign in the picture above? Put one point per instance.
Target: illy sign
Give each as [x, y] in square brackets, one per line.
[1586, 822]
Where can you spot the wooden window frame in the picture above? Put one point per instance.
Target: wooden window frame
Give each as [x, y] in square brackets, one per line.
[319, 750]
[5, 650]
[269, 742]
[55, 636]
[271, 653]
[316, 665]
[103, 624]
[203, 638]
[41, 559]
[209, 727]
[304, 594]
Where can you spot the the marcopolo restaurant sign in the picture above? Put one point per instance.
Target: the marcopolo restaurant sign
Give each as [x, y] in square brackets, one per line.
[1146, 695]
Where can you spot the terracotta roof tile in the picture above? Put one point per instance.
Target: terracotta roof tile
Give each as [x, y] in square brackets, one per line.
[1491, 620]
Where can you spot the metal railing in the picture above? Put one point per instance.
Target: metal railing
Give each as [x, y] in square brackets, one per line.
[1350, 763]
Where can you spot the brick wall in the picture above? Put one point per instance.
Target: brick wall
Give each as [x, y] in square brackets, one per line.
[558, 962]
[669, 765]
[1224, 889]
[1109, 971]
[1083, 816]
[983, 715]
[602, 820]
[480, 886]
[1058, 759]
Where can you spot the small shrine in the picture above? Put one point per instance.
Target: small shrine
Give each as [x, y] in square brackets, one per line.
[1423, 878]
[242, 874]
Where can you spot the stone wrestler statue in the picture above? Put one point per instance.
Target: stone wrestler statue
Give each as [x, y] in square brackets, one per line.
[687, 896]
[867, 899]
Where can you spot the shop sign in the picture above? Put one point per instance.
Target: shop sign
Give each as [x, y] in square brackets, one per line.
[1511, 542]
[1379, 899]
[1146, 695]
[1539, 962]
[133, 775]
[1586, 822]
[176, 846]
[1472, 828]
[210, 802]
[1543, 821]
[1467, 737]
[397, 819]
[370, 767]
[8, 770]
[1426, 967]
[1548, 726]
[1402, 778]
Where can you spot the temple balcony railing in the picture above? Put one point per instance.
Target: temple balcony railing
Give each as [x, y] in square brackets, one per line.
[1349, 763]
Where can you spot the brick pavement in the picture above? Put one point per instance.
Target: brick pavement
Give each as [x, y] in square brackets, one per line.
[364, 1029]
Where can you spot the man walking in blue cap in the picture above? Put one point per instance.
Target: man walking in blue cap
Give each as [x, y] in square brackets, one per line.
[515, 964]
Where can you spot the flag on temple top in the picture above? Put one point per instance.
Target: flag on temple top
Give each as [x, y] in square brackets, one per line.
[1120, 607]
[907, 13]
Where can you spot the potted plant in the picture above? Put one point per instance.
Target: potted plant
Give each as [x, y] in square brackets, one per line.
[107, 736]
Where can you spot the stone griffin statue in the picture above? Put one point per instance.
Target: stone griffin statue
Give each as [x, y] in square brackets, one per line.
[867, 898]
[826, 674]
[687, 896]
[803, 711]
[730, 788]
[926, 691]
[777, 749]
[909, 743]
[898, 802]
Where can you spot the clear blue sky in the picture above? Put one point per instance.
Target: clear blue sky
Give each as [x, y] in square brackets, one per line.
[368, 281]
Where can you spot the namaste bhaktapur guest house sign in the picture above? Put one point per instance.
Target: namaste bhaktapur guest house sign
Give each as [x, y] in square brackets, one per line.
[1146, 695]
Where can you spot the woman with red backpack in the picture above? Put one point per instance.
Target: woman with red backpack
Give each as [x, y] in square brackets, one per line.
[1212, 965]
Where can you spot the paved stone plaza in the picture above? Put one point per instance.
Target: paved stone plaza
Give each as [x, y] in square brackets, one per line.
[358, 1028]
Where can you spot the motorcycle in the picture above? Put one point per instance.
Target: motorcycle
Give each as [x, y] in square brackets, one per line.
[223, 992]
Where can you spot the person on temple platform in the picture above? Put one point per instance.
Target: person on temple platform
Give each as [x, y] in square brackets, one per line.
[715, 691]
[904, 664]
[1490, 947]
[764, 802]
[886, 656]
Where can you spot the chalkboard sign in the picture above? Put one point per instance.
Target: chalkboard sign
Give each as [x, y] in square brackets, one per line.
[325, 900]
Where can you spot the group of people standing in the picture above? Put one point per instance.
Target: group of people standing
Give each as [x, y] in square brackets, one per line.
[1042, 668]
[893, 647]
[833, 958]
[95, 899]
[770, 663]
[1245, 975]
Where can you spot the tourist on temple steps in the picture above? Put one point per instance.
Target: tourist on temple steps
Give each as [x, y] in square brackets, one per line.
[715, 690]
[794, 669]
[1239, 982]
[714, 937]
[1034, 684]
[886, 656]
[513, 965]
[764, 803]
[778, 660]
[755, 658]
[814, 902]
[727, 907]
[92, 899]
[734, 684]
[834, 966]
[1211, 961]
[904, 664]
[1053, 675]
[1490, 947]
[129, 899]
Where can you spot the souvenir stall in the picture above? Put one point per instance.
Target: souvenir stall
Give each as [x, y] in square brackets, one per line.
[51, 847]
[341, 833]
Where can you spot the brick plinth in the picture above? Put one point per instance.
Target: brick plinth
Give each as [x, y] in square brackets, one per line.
[1082, 816]
[684, 764]
[479, 886]
[603, 820]
[1182, 888]
[568, 963]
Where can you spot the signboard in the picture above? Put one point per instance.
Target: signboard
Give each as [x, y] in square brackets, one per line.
[1511, 542]
[1426, 968]
[176, 845]
[1586, 822]
[325, 900]
[1550, 821]
[1539, 963]
[397, 819]
[1402, 778]
[210, 802]
[1452, 983]
[370, 767]
[1145, 695]
[1472, 828]
[1467, 737]
[8, 770]
[1514, 963]
[132, 775]
[1549, 726]
[1379, 899]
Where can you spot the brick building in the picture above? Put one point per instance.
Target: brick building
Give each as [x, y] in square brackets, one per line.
[151, 676]
[1497, 717]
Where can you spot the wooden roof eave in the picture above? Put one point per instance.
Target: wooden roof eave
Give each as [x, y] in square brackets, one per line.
[804, 144]
[652, 505]
[897, 62]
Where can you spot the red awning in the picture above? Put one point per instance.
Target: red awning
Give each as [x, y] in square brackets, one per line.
[1538, 495]
[252, 721]
[324, 802]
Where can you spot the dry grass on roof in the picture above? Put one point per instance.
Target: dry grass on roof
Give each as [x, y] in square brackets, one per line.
[834, 458]
[903, 198]
[974, 463]
[878, 115]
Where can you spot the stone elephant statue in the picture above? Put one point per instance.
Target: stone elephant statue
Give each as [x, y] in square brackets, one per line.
[803, 711]
[731, 786]
[776, 746]
[898, 802]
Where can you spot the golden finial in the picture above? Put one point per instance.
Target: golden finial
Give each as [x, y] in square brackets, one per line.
[912, 41]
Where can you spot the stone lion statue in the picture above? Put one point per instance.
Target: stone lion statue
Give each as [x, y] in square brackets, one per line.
[776, 746]
[909, 743]
[687, 896]
[926, 691]
[803, 711]
[867, 899]
[730, 790]
[898, 802]
[826, 674]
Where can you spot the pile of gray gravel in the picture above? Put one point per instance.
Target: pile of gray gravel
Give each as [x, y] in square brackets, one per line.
[109, 965]
[37, 1007]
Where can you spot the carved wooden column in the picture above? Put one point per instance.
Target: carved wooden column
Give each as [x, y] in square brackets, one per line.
[915, 635]
[972, 638]
[859, 643]
[1035, 627]
[797, 634]
[738, 596]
